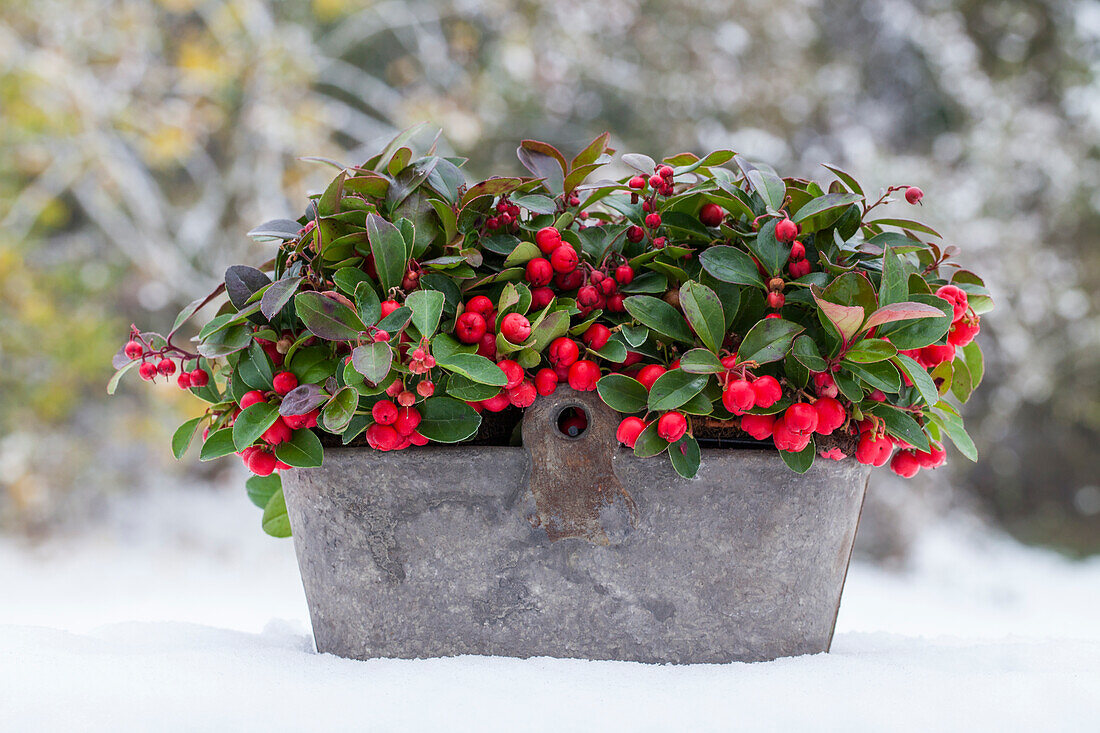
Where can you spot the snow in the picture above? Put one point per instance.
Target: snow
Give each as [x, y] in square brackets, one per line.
[177, 614]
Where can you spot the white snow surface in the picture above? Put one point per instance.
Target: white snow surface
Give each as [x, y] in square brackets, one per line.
[179, 614]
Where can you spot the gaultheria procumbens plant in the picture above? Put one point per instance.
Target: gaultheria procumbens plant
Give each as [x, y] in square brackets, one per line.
[703, 298]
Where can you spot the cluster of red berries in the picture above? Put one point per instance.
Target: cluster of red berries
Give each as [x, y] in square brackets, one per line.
[506, 218]
[964, 327]
[797, 264]
[156, 362]
[260, 459]
[394, 427]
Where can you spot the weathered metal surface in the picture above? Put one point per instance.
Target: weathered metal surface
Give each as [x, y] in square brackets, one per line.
[431, 552]
[596, 508]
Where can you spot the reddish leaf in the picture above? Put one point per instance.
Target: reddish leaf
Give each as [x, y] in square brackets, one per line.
[846, 318]
[901, 312]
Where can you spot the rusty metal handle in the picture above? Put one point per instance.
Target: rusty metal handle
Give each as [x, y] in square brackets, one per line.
[576, 491]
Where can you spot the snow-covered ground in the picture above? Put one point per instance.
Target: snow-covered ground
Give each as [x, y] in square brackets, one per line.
[179, 614]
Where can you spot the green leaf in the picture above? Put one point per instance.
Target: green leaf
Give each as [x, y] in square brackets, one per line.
[825, 203]
[547, 329]
[225, 342]
[467, 390]
[920, 378]
[253, 421]
[634, 335]
[396, 321]
[327, 318]
[275, 521]
[337, 414]
[900, 424]
[259, 360]
[427, 309]
[474, 367]
[895, 278]
[807, 354]
[659, 316]
[388, 247]
[523, 253]
[649, 443]
[870, 350]
[685, 456]
[925, 331]
[261, 488]
[768, 186]
[846, 178]
[701, 361]
[770, 251]
[613, 350]
[848, 385]
[769, 340]
[731, 265]
[373, 361]
[446, 420]
[800, 462]
[112, 385]
[901, 312]
[535, 203]
[181, 439]
[961, 383]
[704, 312]
[367, 305]
[975, 362]
[881, 375]
[218, 444]
[953, 426]
[303, 450]
[674, 388]
[622, 393]
[915, 226]
[278, 295]
[846, 319]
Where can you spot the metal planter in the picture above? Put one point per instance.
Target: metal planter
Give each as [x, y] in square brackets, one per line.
[572, 547]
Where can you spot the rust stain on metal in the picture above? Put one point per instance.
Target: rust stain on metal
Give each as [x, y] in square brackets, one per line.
[575, 488]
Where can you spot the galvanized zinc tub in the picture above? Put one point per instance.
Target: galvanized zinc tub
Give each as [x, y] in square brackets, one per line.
[572, 547]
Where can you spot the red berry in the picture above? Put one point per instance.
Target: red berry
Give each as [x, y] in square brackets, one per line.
[515, 328]
[801, 268]
[539, 272]
[583, 375]
[649, 374]
[487, 346]
[758, 426]
[588, 296]
[261, 463]
[523, 394]
[872, 451]
[659, 242]
[933, 458]
[497, 402]
[470, 327]
[956, 296]
[656, 181]
[825, 385]
[596, 336]
[963, 331]
[284, 382]
[479, 304]
[653, 220]
[629, 430]
[408, 419]
[380, 336]
[798, 252]
[830, 415]
[389, 306]
[541, 297]
[786, 230]
[711, 215]
[905, 462]
[672, 426]
[547, 239]
[167, 367]
[492, 222]
[624, 274]
[637, 183]
[133, 349]
[425, 388]
[776, 300]
[148, 371]
[405, 398]
[513, 372]
[665, 171]
[833, 454]
[417, 439]
[608, 286]
[788, 440]
[564, 259]
[384, 412]
[184, 380]
[383, 437]
[635, 234]
[615, 303]
[546, 381]
[800, 418]
[936, 354]
[252, 397]
[767, 391]
[913, 194]
[279, 432]
[739, 397]
[563, 351]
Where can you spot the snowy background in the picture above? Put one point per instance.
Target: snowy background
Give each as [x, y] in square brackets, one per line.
[139, 139]
[175, 614]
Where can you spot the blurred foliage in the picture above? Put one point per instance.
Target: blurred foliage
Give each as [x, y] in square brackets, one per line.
[149, 135]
